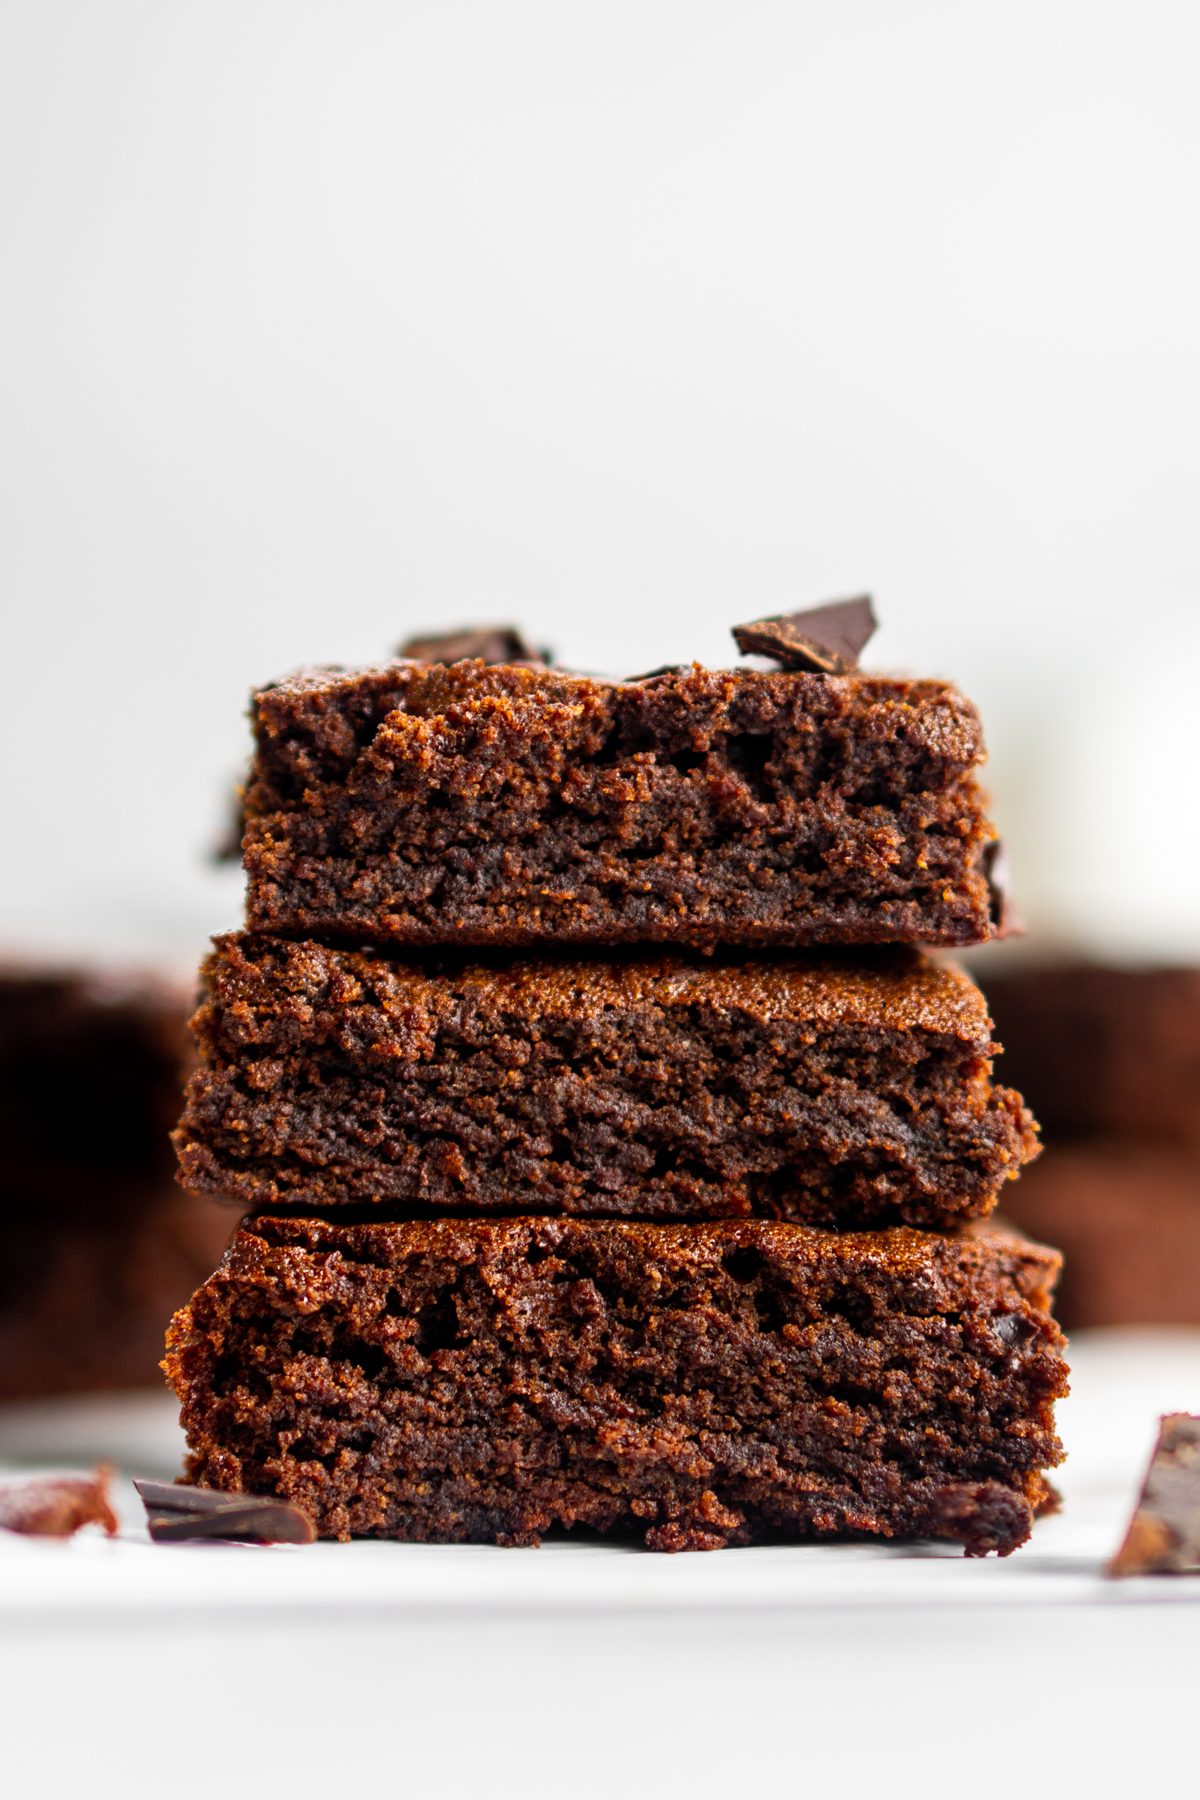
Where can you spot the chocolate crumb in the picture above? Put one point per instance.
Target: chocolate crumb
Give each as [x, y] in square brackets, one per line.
[825, 639]
[1164, 1534]
[484, 643]
[58, 1505]
[176, 1514]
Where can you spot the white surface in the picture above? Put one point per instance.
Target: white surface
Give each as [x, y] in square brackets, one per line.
[1121, 1383]
[324, 320]
[586, 1669]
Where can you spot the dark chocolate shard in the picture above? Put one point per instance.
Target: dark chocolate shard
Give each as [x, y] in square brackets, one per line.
[656, 674]
[1164, 1533]
[1006, 922]
[826, 639]
[484, 643]
[176, 1515]
[58, 1505]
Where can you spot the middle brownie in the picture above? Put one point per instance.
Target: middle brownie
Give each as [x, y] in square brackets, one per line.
[828, 1091]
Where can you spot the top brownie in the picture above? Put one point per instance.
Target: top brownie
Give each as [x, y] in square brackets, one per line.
[511, 805]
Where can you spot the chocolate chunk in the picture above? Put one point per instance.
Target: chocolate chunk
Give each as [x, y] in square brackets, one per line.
[657, 674]
[1004, 916]
[1164, 1534]
[58, 1505]
[1015, 1330]
[826, 639]
[176, 1514]
[485, 643]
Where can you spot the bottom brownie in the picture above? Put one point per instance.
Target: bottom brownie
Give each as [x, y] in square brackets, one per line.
[701, 1384]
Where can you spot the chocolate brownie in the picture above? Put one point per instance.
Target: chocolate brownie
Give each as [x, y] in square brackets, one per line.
[97, 1244]
[1126, 1215]
[1102, 1049]
[90, 1066]
[424, 804]
[828, 1090]
[701, 1384]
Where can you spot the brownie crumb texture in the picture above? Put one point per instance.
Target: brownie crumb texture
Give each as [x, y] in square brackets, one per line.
[513, 806]
[699, 1384]
[829, 1091]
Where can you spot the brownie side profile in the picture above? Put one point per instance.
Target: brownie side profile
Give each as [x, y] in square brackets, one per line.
[97, 1244]
[702, 1384]
[825, 1090]
[423, 804]
[1101, 1049]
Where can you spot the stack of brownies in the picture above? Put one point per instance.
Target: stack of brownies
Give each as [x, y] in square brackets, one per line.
[612, 1157]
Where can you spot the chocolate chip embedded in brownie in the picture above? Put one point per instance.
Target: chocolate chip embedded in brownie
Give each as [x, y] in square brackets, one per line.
[831, 1090]
[702, 1384]
[424, 804]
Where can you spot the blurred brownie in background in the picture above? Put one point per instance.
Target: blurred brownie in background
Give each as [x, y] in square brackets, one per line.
[1109, 1059]
[97, 1244]
[1097, 1049]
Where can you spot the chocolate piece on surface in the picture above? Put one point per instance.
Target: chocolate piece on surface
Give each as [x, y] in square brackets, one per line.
[831, 1090]
[507, 806]
[1164, 1533]
[58, 1505]
[828, 639]
[485, 643]
[177, 1514]
[485, 1381]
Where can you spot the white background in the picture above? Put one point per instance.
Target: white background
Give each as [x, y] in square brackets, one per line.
[629, 319]
[322, 321]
